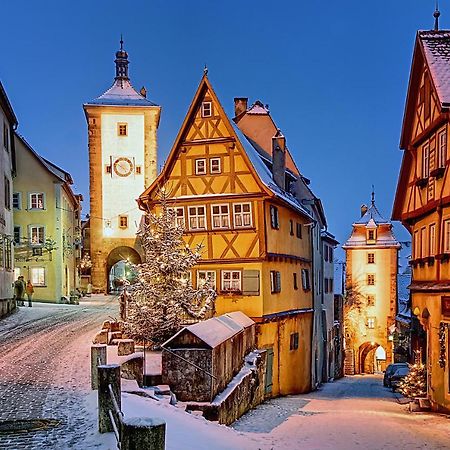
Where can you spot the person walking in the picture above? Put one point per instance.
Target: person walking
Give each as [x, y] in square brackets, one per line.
[19, 290]
[30, 292]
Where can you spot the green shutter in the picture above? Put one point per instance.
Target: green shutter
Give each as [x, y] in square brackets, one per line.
[250, 282]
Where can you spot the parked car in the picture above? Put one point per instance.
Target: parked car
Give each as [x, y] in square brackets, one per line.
[390, 369]
[398, 376]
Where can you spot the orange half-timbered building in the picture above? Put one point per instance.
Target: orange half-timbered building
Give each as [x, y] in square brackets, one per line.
[256, 237]
[422, 201]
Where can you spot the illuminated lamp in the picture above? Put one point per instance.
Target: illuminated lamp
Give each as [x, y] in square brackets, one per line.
[416, 311]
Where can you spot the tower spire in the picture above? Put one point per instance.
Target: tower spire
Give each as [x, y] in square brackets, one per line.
[121, 62]
[373, 195]
[436, 15]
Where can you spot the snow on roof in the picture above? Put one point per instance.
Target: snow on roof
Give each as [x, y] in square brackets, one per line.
[122, 93]
[373, 214]
[436, 45]
[265, 175]
[218, 329]
[258, 109]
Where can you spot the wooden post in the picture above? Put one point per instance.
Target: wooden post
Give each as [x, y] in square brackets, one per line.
[143, 433]
[108, 374]
[98, 358]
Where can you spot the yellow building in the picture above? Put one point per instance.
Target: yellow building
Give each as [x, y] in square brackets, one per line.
[46, 225]
[422, 202]
[256, 236]
[371, 285]
[122, 127]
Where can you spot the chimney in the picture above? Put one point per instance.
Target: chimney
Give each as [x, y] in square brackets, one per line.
[143, 92]
[279, 160]
[240, 105]
[363, 209]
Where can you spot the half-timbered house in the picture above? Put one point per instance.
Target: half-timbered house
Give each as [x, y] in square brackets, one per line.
[422, 200]
[256, 236]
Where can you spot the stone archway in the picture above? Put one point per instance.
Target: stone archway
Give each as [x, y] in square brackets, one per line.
[123, 253]
[367, 357]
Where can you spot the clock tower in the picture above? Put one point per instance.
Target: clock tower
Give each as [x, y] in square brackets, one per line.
[122, 133]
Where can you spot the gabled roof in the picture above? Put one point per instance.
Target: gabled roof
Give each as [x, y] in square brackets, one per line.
[263, 173]
[121, 93]
[6, 106]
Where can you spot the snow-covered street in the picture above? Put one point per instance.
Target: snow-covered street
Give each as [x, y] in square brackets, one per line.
[44, 367]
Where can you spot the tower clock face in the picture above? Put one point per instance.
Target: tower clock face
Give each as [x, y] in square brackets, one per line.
[123, 167]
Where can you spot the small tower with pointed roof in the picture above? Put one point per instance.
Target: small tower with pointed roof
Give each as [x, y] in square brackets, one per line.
[122, 131]
[371, 286]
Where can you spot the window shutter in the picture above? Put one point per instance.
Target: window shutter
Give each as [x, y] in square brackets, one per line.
[250, 282]
[278, 281]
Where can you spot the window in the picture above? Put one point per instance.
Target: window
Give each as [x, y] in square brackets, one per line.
[17, 200]
[5, 136]
[371, 322]
[220, 216]
[17, 232]
[108, 168]
[37, 276]
[432, 242]
[200, 166]
[122, 129]
[206, 109]
[291, 227]
[447, 236]
[206, 275]
[425, 160]
[293, 341]
[305, 280]
[370, 258]
[274, 217]
[178, 212]
[416, 252]
[331, 285]
[242, 215]
[442, 148]
[214, 165]
[231, 280]
[370, 300]
[138, 170]
[295, 280]
[325, 288]
[371, 235]
[330, 256]
[371, 279]
[197, 217]
[37, 200]
[8, 255]
[299, 230]
[37, 235]
[7, 193]
[275, 281]
[325, 251]
[423, 242]
[123, 221]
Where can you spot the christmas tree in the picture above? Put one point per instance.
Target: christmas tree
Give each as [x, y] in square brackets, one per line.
[414, 385]
[163, 297]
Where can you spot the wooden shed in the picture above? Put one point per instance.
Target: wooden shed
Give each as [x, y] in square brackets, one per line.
[200, 360]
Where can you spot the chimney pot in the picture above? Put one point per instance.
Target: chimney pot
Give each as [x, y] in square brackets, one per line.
[279, 160]
[143, 92]
[240, 105]
[363, 209]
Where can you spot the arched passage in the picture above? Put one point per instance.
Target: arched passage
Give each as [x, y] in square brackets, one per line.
[117, 265]
[367, 357]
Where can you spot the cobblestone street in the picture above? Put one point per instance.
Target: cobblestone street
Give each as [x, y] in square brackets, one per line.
[44, 366]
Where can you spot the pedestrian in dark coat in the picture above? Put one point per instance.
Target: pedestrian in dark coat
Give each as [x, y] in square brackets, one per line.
[19, 290]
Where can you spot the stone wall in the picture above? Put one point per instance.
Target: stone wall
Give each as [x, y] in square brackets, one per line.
[7, 306]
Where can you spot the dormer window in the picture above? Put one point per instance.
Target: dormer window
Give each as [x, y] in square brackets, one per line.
[371, 236]
[206, 109]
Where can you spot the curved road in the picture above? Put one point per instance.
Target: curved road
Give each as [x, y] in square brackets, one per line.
[44, 371]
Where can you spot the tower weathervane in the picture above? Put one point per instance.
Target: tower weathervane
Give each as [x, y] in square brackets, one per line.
[205, 70]
[436, 15]
[373, 195]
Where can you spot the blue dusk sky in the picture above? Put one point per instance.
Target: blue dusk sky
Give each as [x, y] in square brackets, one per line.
[334, 74]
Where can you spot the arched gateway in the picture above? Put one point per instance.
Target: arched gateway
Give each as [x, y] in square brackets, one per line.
[125, 255]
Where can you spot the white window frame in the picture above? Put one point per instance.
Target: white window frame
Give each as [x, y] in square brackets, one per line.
[306, 281]
[275, 282]
[40, 276]
[196, 217]
[217, 170]
[371, 323]
[221, 216]
[203, 275]
[442, 148]
[30, 201]
[207, 109]
[426, 160]
[446, 229]
[234, 284]
[432, 239]
[240, 216]
[198, 171]
[179, 218]
[18, 196]
[30, 235]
